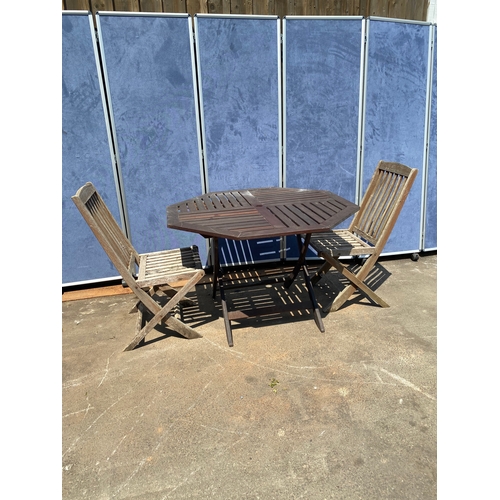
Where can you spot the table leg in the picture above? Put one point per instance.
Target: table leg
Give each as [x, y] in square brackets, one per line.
[227, 323]
[215, 259]
[301, 263]
[217, 280]
[301, 260]
[312, 296]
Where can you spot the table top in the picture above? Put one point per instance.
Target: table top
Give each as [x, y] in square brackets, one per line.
[263, 212]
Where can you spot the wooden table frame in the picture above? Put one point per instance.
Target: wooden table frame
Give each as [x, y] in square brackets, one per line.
[260, 213]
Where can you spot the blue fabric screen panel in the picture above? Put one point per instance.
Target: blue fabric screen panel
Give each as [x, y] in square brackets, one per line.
[322, 61]
[239, 77]
[430, 241]
[232, 252]
[149, 63]
[322, 76]
[395, 113]
[86, 153]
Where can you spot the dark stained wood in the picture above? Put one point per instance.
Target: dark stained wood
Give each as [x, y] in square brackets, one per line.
[260, 213]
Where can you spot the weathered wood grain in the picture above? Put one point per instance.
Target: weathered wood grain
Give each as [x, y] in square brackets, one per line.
[399, 9]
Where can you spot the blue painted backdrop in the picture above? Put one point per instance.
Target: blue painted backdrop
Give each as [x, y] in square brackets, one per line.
[86, 152]
[149, 75]
[395, 113]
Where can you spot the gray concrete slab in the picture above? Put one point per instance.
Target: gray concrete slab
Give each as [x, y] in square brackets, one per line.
[288, 412]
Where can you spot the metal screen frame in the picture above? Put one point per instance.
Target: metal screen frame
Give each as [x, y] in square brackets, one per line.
[153, 128]
[394, 245]
[87, 261]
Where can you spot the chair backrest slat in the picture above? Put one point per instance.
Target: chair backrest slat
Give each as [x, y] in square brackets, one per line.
[105, 228]
[388, 189]
[383, 202]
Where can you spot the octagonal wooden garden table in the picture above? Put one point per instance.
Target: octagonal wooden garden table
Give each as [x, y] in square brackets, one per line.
[259, 213]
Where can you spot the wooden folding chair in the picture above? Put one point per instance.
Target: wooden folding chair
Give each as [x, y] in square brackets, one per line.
[148, 275]
[368, 232]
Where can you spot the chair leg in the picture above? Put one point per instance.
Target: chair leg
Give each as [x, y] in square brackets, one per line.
[356, 283]
[320, 272]
[170, 292]
[163, 314]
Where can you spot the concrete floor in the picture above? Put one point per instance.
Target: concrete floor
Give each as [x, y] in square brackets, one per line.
[288, 412]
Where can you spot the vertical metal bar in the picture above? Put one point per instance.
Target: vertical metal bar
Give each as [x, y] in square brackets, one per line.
[280, 104]
[192, 41]
[428, 112]
[362, 104]
[106, 96]
[283, 120]
[200, 98]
